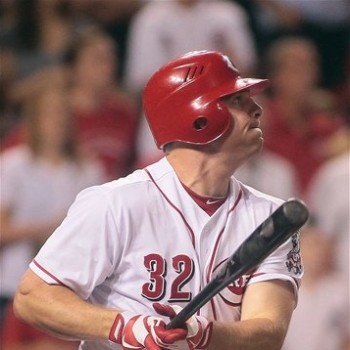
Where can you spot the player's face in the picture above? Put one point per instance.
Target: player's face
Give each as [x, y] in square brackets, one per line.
[246, 137]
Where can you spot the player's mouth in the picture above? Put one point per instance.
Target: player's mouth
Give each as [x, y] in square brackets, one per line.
[255, 125]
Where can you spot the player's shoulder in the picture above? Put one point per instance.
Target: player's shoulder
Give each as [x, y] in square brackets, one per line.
[136, 185]
[259, 198]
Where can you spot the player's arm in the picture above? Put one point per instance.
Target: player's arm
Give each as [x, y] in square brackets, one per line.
[59, 311]
[266, 311]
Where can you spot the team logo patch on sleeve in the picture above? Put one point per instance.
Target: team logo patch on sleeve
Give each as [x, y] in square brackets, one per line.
[294, 263]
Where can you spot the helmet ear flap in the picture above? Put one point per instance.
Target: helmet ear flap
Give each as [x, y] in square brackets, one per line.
[197, 122]
[210, 122]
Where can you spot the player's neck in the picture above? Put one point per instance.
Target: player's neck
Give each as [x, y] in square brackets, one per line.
[209, 204]
[200, 174]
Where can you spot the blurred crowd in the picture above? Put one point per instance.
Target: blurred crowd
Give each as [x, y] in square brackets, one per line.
[72, 74]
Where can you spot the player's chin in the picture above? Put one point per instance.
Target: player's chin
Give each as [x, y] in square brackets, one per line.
[257, 149]
[256, 145]
[256, 136]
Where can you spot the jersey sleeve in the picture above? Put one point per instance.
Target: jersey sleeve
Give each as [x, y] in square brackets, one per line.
[284, 263]
[82, 251]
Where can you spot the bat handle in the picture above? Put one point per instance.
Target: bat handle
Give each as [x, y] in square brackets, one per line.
[179, 320]
[189, 310]
[197, 302]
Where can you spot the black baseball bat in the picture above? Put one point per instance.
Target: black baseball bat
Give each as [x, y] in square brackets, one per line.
[267, 237]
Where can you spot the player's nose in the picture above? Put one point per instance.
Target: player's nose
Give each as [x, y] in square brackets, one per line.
[256, 110]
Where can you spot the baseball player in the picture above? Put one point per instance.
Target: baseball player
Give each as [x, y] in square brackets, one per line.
[132, 252]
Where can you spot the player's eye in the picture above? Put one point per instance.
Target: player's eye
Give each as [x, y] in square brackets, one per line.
[236, 101]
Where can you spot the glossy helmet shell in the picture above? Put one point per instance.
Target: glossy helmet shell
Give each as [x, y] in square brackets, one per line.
[182, 100]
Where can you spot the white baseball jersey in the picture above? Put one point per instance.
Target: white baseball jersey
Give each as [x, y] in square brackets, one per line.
[142, 239]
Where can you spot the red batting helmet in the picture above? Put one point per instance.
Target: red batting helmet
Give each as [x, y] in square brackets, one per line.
[182, 99]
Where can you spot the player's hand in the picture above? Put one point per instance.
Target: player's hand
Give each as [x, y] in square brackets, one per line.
[137, 332]
[198, 327]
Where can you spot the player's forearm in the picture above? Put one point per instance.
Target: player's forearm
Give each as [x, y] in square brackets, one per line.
[252, 334]
[60, 312]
